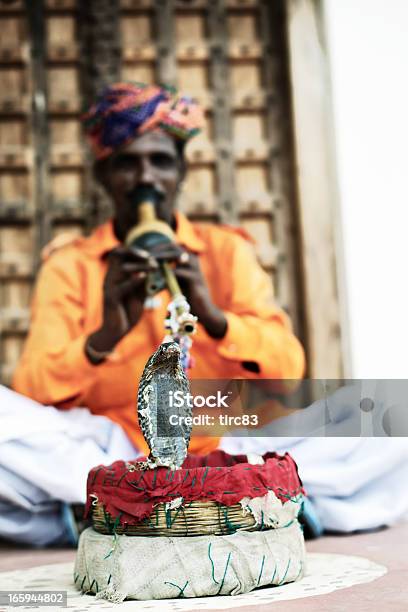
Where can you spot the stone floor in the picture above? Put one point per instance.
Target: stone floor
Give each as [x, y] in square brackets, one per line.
[388, 594]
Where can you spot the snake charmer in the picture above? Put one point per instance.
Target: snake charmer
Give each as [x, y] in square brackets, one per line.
[92, 329]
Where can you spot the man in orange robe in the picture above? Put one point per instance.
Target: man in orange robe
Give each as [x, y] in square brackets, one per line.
[91, 332]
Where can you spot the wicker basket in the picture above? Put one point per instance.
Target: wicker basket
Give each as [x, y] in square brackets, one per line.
[194, 519]
[211, 487]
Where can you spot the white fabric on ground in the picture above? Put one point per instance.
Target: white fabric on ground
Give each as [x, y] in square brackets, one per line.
[354, 483]
[325, 573]
[160, 568]
[45, 456]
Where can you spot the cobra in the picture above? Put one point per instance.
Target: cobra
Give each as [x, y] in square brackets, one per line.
[162, 375]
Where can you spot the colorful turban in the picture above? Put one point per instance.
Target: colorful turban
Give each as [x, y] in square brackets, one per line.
[126, 110]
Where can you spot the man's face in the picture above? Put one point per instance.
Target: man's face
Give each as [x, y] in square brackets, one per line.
[150, 160]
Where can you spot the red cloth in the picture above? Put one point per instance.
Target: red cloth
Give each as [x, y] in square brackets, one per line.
[218, 477]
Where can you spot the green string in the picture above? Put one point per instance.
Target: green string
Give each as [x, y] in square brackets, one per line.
[225, 572]
[117, 521]
[181, 594]
[135, 483]
[148, 521]
[293, 498]
[154, 479]
[274, 573]
[175, 515]
[113, 547]
[212, 564]
[260, 573]
[95, 475]
[231, 527]
[204, 475]
[284, 575]
[115, 537]
[107, 520]
[123, 475]
[185, 521]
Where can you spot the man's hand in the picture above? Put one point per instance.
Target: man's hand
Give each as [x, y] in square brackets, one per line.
[124, 294]
[194, 287]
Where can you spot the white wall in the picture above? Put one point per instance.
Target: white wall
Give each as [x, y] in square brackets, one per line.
[368, 48]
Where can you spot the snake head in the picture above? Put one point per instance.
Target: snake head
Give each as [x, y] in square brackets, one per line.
[167, 353]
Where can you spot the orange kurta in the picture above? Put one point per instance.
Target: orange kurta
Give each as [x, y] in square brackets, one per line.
[67, 307]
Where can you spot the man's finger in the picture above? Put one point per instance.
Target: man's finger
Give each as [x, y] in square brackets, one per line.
[148, 266]
[131, 285]
[186, 274]
[126, 253]
[167, 250]
[188, 260]
[169, 255]
[164, 246]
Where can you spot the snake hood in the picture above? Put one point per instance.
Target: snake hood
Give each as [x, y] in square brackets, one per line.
[164, 425]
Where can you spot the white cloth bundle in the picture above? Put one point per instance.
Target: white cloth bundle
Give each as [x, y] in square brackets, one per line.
[161, 568]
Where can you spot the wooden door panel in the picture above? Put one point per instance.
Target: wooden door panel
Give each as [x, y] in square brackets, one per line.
[229, 55]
